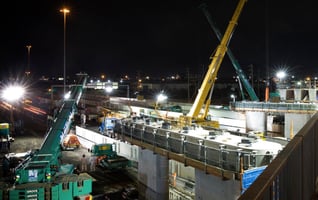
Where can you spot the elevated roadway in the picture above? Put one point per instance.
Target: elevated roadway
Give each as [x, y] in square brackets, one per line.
[194, 154]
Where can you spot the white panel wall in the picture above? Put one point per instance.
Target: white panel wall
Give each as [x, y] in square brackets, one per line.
[255, 121]
[88, 138]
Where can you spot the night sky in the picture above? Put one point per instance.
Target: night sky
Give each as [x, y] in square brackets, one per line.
[156, 37]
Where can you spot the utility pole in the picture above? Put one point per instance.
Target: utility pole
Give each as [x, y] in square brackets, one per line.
[188, 80]
[65, 11]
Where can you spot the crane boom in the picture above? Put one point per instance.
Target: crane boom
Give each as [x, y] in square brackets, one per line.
[210, 77]
[46, 159]
[234, 61]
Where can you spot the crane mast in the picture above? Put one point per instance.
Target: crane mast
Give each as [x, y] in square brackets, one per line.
[211, 75]
[234, 61]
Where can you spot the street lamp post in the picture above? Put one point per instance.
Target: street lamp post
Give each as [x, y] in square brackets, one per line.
[233, 97]
[281, 75]
[160, 98]
[29, 51]
[65, 11]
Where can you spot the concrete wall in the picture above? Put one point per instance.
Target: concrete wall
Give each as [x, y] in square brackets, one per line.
[185, 172]
[255, 121]
[294, 122]
[88, 138]
[153, 172]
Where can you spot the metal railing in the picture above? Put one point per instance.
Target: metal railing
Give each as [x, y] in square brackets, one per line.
[293, 173]
[275, 107]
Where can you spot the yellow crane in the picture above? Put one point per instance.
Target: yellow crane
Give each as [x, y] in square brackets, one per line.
[203, 97]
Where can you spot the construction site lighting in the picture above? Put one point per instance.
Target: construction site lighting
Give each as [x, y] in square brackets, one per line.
[67, 95]
[233, 97]
[13, 93]
[109, 89]
[281, 74]
[161, 97]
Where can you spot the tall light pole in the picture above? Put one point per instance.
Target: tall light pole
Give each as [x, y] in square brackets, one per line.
[65, 11]
[28, 68]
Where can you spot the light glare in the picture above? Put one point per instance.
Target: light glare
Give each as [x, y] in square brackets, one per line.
[109, 89]
[161, 97]
[13, 93]
[281, 74]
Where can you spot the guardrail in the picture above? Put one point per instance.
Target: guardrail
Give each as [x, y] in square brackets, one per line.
[274, 107]
[293, 174]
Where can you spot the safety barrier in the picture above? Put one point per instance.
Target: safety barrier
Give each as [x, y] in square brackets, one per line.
[274, 107]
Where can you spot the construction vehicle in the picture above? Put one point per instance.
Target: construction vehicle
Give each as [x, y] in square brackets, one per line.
[5, 138]
[204, 95]
[107, 157]
[107, 125]
[236, 65]
[41, 174]
[70, 142]
[174, 108]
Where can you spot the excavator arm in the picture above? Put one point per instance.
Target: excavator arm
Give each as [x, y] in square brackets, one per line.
[211, 75]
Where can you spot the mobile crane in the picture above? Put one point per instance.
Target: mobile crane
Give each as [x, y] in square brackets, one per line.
[41, 175]
[236, 65]
[203, 96]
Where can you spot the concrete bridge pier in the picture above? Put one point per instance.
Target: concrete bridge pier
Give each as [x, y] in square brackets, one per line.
[256, 121]
[209, 187]
[294, 122]
[153, 172]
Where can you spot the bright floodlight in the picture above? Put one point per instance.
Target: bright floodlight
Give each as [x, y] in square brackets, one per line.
[67, 95]
[161, 97]
[65, 10]
[13, 93]
[281, 74]
[109, 89]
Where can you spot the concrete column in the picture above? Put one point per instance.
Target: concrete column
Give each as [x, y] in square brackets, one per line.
[256, 121]
[153, 172]
[312, 95]
[282, 94]
[294, 122]
[208, 187]
[297, 94]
